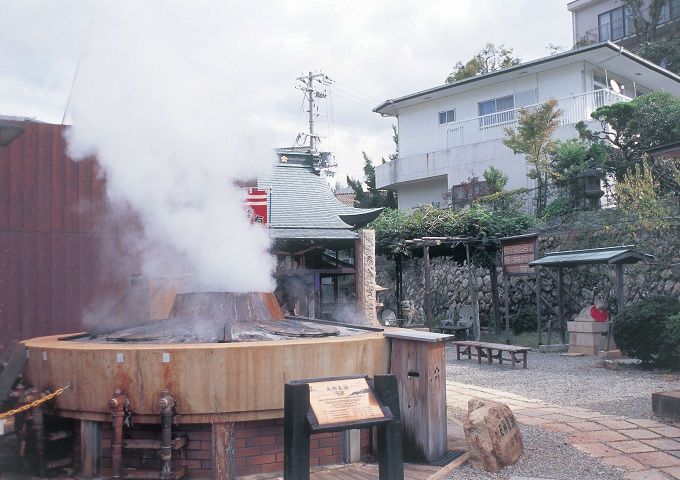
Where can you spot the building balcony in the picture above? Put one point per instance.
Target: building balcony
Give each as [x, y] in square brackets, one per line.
[476, 140]
[490, 127]
[622, 30]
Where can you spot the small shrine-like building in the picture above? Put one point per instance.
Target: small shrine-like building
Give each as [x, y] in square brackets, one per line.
[325, 267]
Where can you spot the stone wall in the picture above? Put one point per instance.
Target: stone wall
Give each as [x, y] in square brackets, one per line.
[450, 280]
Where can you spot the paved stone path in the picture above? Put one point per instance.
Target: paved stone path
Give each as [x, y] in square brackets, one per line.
[646, 449]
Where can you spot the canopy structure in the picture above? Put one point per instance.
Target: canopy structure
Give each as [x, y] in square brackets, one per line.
[617, 256]
[624, 254]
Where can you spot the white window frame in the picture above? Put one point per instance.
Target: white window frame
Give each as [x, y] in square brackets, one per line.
[446, 115]
[493, 118]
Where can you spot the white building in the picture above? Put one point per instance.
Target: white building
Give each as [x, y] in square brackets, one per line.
[595, 21]
[450, 133]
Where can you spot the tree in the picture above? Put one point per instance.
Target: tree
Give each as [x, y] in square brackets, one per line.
[569, 161]
[533, 138]
[489, 59]
[495, 179]
[373, 197]
[645, 25]
[628, 129]
[636, 194]
[665, 53]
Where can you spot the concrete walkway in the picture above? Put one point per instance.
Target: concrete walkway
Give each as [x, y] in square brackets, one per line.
[646, 449]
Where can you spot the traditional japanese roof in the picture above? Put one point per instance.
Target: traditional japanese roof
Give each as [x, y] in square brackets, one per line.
[302, 206]
[608, 255]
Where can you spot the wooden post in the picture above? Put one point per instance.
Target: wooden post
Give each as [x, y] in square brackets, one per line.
[506, 288]
[560, 304]
[538, 302]
[296, 453]
[620, 300]
[390, 453]
[472, 285]
[224, 451]
[428, 287]
[400, 286]
[495, 301]
[90, 448]
[420, 367]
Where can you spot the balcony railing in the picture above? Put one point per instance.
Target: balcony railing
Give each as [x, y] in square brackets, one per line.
[491, 127]
[623, 27]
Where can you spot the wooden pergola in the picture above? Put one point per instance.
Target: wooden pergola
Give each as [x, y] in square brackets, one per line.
[426, 243]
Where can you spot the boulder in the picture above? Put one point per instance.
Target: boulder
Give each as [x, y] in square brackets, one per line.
[492, 435]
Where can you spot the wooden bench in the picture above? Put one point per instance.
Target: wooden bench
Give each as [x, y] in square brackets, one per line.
[486, 350]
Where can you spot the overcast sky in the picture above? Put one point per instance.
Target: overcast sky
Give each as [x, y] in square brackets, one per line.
[373, 50]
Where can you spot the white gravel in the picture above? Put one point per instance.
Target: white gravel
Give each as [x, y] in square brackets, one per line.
[546, 455]
[569, 381]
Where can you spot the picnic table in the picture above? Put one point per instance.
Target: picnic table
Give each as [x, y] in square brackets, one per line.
[485, 349]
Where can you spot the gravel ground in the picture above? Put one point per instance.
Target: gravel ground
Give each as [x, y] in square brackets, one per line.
[570, 381]
[546, 455]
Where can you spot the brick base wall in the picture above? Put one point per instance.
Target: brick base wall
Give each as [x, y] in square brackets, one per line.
[259, 448]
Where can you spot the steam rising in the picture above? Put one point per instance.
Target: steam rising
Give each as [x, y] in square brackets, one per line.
[161, 101]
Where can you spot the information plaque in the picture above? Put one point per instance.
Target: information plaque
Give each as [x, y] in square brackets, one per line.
[343, 401]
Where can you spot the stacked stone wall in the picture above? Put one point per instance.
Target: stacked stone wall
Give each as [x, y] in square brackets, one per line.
[450, 279]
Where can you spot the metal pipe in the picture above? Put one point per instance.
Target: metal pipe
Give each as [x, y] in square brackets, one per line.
[118, 403]
[38, 424]
[166, 402]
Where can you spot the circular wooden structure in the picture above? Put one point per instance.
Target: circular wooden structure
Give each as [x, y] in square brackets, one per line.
[210, 381]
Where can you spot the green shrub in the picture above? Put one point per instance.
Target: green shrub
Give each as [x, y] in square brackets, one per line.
[524, 321]
[557, 208]
[642, 328]
[671, 344]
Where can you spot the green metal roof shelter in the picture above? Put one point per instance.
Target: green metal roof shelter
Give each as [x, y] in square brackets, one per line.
[617, 256]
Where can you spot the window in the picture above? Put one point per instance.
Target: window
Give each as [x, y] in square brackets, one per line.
[614, 24]
[447, 117]
[492, 110]
[675, 9]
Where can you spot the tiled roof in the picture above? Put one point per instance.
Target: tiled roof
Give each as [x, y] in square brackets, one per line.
[303, 206]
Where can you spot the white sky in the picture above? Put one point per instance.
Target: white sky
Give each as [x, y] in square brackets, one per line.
[374, 50]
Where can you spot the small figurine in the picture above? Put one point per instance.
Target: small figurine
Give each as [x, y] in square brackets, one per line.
[598, 312]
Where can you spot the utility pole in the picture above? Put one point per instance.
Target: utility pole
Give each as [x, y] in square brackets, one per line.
[312, 93]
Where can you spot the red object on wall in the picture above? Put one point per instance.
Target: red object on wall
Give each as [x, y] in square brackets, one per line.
[54, 227]
[258, 206]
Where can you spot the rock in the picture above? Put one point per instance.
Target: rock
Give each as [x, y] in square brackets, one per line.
[492, 435]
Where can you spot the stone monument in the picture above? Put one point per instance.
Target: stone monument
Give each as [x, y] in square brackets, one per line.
[492, 435]
[588, 331]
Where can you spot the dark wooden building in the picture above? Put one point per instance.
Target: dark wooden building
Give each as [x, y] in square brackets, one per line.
[53, 226]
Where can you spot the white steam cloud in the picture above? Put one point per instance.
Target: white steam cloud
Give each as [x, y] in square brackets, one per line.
[162, 101]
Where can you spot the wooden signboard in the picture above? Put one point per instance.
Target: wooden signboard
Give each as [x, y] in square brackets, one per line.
[345, 401]
[517, 253]
[335, 404]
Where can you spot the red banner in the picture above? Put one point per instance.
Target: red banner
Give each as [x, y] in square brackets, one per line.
[257, 206]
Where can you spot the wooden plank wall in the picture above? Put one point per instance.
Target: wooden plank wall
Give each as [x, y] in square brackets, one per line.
[53, 229]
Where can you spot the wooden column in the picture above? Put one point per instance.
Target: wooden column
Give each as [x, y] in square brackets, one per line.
[506, 295]
[620, 295]
[495, 301]
[538, 302]
[419, 365]
[560, 303]
[223, 451]
[90, 448]
[620, 300]
[428, 287]
[472, 285]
